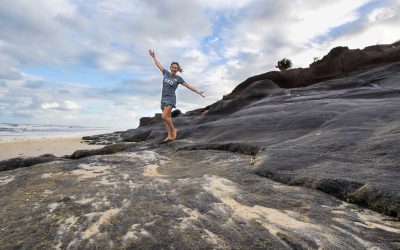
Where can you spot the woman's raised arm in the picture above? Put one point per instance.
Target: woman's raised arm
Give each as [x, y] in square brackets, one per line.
[156, 62]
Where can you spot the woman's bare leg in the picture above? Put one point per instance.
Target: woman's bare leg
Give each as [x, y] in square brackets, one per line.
[173, 130]
[166, 116]
[169, 136]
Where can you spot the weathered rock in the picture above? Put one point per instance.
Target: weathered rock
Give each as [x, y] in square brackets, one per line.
[175, 113]
[133, 135]
[242, 148]
[103, 139]
[144, 121]
[106, 150]
[156, 199]
[339, 62]
[23, 162]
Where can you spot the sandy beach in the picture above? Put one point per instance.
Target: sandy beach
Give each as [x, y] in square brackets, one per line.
[58, 146]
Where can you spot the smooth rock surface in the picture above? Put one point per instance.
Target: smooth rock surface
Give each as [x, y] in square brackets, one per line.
[155, 198]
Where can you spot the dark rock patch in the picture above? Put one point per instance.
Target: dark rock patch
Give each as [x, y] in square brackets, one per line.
[23, 162]
[241, 148]
[145, 121]
[106, 150]
[135, 136]
[103, 139]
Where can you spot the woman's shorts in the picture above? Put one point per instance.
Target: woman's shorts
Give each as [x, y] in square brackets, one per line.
[168, 101]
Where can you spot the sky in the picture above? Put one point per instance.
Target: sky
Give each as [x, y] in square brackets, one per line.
[86, 63]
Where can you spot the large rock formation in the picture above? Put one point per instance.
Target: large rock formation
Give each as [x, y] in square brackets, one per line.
[267, 167]
[339, 62]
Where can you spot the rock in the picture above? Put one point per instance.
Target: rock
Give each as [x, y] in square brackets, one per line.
[135, 135]
[339, 62]
[47, 155]
[150, 198]
[23, 162]
[242, 148]
[103, 139]
[109, 149]
[144, 121]
[175, 113]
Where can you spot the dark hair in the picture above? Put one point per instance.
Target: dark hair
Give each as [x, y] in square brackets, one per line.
[179, 67]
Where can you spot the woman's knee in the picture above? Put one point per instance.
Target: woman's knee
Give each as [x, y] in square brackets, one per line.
[165, 117]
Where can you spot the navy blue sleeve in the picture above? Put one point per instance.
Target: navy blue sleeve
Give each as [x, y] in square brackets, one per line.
[165, 72]
[181, 81]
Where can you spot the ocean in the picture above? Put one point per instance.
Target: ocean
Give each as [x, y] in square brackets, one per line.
[10, 131]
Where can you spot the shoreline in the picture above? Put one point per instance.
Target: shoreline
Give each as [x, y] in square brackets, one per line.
[26, 136]
[31, 147]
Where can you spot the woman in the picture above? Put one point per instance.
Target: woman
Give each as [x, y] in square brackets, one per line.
[168, 99]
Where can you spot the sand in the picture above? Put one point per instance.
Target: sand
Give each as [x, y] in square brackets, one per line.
[34, 147]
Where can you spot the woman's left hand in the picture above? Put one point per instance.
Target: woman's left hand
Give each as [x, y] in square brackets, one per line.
[152, 54]
[202, 94]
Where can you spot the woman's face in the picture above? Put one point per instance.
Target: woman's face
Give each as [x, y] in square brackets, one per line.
[174, 68]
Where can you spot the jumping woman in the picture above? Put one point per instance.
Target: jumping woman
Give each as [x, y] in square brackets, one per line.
[168, 98]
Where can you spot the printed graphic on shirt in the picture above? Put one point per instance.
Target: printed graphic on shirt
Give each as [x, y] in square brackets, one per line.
[170, 81]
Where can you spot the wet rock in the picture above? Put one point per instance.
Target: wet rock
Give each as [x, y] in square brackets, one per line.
[135, 135]
[23, 162]
[47, 155]
[103, 139]
[109, 149]
[64, 199]
[144, 121]
[242, 148]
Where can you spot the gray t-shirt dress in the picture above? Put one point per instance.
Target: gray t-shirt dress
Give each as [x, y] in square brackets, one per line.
[170, 84]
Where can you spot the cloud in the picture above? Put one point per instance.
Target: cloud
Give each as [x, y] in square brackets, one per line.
[7, 71]
[33, 84]
[112, 60]
[87, 62]
[71, 105]
[52, 105]
[23, 115]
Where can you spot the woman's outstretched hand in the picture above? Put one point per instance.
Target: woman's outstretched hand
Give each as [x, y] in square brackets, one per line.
[152, 54]
[202, 94]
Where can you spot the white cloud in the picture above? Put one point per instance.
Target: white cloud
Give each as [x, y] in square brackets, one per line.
[71, 105]
[309, 23]
[50, 105]
[381, 14]
[224, 4]
[113, 60]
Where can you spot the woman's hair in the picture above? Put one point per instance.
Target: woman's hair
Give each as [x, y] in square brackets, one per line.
[179, 67]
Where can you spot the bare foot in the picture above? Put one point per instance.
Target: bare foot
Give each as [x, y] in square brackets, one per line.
[167, 139]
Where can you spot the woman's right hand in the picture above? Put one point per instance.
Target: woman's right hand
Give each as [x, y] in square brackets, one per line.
[152, 54]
